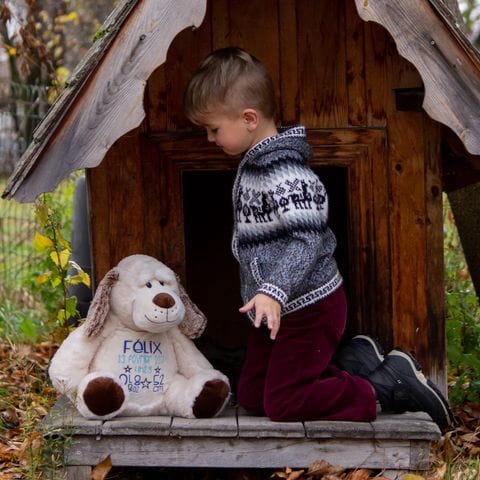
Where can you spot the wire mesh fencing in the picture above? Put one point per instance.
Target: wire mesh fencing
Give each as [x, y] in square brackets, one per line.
[21, 109]
[17, 256]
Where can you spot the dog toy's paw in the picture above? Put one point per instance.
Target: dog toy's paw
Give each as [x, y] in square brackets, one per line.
[212, 399]
[102, 396]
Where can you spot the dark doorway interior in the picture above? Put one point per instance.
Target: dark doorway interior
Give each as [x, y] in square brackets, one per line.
[211, 270]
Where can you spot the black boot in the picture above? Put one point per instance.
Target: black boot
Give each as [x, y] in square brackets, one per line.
[401, 386]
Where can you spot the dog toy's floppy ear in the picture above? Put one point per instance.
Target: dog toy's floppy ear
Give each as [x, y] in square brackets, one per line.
[195, 321]
[100, 304]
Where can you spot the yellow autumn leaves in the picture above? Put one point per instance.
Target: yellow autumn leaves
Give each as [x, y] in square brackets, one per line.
[63, 271]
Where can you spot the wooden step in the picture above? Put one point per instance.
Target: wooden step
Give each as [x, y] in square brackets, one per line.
[236, 440]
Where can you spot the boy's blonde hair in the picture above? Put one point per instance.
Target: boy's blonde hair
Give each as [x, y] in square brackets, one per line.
[229, 79]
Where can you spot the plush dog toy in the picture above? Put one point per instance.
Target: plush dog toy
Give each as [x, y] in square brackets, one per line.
[133, 354]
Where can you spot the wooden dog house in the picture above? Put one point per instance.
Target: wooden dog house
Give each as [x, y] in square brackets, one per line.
[387, 91]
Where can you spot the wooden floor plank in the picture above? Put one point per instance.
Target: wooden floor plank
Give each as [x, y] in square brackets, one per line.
[224, 425]
[262, 427]
[138, 426]
[242, 453]
[237, 440]
[414, 426]
[64, 418]
[325, 429]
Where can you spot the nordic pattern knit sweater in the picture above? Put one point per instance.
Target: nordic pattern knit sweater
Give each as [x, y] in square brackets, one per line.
[281, 238]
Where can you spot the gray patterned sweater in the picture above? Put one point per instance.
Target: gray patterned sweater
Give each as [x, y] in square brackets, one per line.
[281, 238]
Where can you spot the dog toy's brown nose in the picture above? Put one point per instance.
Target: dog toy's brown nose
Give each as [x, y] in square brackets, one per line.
[163, 300]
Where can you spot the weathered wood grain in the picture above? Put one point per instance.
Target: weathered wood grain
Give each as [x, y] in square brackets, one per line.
[246, 453]
[414, 426]
[64, 419]
[184, 54]
[80, 75]
[355, 67]
[77, 473]
[224, 425]
[262, 427]
[159, 426]
[321, 65]
[391, 442]
[409, 253]
[287, 17]
[435, 354]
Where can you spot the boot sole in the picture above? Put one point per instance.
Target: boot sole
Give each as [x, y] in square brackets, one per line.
[416, 368]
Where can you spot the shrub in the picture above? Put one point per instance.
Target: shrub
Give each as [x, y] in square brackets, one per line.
[462, 318]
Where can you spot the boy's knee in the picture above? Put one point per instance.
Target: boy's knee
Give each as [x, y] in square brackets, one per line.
[279, 410]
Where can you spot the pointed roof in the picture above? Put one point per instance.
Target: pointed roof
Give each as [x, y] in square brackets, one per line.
[104, 98]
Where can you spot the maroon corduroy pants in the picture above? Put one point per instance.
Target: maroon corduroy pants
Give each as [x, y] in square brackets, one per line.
[291, 378]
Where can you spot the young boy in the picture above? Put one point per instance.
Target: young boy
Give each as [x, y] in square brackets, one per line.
[290, 282]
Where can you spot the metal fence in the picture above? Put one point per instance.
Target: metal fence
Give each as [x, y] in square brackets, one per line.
[21, 109]
[17, 228]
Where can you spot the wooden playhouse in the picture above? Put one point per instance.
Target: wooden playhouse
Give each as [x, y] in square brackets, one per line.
[389, 91]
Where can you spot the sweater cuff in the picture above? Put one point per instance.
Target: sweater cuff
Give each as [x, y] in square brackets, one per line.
[274, 292]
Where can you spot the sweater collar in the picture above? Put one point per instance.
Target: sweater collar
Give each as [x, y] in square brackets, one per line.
[283, 132]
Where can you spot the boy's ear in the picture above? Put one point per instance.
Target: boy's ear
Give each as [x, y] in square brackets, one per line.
[251, 118]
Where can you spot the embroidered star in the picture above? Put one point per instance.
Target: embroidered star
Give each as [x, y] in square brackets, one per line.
[127, 369]
[158, 370]
[146, 384]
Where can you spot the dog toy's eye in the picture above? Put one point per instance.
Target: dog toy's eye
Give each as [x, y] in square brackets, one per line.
[162, 283]
[148, 285]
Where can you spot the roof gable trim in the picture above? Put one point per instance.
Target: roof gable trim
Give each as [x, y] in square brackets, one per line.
[111, 93]
[451, 75]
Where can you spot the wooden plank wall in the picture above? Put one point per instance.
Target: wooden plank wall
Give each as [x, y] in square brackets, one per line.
[331, 70]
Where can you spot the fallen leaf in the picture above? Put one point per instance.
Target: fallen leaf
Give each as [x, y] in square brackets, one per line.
[470, 437]
[473, 410]
[320, 468]
[288, 474]
[10, 417]
[281, 473]
[439, 473]
[295, 475]
[412, 476]
[101, 470]
[361, 474]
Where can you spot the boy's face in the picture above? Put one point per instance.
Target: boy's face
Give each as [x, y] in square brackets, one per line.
[230, 132]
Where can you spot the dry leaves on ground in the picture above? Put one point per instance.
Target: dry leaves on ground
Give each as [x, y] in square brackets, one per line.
[322, 470]
[25, 398]
[101, 471]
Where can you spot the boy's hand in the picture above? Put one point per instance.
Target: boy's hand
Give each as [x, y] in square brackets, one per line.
[267, 307]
